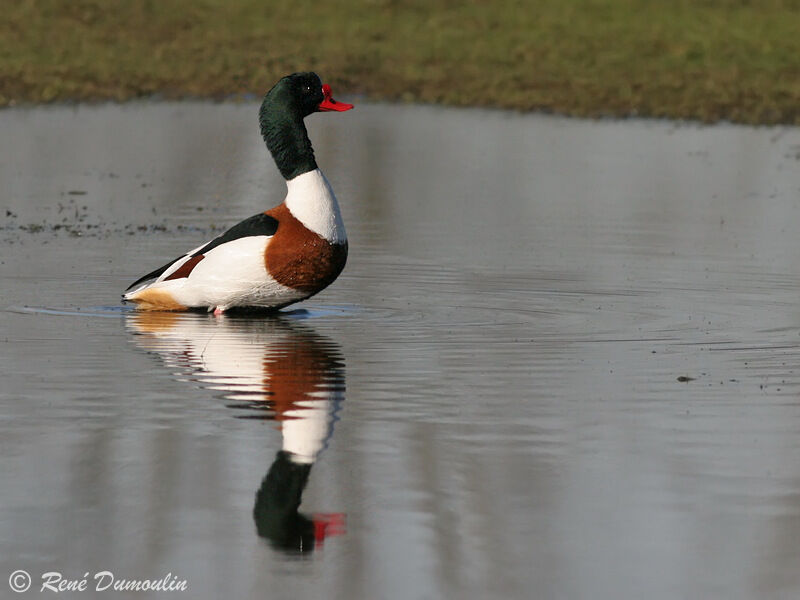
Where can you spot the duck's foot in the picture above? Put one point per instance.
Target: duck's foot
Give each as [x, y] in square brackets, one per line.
[219, 311]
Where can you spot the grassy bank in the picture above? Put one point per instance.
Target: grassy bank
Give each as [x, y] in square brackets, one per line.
[705, 60]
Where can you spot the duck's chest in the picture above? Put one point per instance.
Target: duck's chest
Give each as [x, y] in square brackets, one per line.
[298, 258]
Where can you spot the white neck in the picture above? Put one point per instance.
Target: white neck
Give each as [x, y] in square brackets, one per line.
[312, 202]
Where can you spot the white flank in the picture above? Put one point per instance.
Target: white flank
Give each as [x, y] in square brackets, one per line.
[232, 274]
[312, 201]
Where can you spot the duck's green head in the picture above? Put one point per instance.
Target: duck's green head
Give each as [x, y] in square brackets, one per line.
[285, 106]
[299, 95]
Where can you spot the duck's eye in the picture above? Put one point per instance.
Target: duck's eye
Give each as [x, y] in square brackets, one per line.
[306, 89]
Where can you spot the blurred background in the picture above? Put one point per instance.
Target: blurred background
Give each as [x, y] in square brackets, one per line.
[695, 59]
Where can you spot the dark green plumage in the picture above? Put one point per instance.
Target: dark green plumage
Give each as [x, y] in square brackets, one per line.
[277, 501]
[285, 106]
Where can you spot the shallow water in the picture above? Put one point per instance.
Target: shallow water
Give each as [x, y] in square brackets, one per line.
[486, 403]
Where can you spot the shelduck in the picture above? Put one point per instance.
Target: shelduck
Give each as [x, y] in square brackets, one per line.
[277, 257]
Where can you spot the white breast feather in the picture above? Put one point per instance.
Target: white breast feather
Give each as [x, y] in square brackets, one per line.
[312, 201]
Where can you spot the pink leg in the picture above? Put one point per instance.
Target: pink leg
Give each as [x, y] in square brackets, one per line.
[218, 312]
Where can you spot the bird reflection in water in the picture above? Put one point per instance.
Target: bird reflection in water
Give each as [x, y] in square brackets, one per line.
[274, 368]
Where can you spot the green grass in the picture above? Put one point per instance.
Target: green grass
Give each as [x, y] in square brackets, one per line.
[702, 59]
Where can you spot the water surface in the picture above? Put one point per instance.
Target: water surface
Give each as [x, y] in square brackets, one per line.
[561, 362]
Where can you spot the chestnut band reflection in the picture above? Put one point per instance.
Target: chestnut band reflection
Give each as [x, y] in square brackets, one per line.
[273, 368]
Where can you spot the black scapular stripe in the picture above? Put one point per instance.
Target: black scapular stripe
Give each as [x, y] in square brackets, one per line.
[260, 224]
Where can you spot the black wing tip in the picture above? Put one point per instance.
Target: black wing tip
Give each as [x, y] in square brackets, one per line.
[152, 275]
[135, 283]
